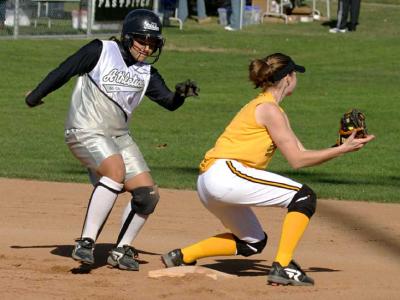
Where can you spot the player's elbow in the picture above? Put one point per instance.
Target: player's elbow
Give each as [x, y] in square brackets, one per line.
[296, 165]
[295, 162]
[293, 154]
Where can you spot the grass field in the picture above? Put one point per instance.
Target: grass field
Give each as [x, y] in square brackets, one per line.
[358, 69]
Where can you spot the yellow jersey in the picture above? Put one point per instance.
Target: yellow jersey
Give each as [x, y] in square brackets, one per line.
[244, 139]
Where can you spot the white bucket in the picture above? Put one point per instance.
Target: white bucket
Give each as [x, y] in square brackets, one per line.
[23, 18]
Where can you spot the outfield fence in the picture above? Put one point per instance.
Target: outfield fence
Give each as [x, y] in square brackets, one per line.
[58, 18]
[32, 18]
[38, 18]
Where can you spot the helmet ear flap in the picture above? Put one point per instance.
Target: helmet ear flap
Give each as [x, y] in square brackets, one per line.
[127, 41]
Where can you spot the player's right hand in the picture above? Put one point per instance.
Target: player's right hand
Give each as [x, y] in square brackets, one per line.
[355, 144]
[30, 101]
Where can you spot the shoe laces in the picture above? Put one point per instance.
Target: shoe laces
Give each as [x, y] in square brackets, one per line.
[296, 265]
[130, 251]
[87, 243]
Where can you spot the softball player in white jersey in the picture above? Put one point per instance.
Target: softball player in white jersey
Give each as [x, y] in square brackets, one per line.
[233, 179]
[114, 78]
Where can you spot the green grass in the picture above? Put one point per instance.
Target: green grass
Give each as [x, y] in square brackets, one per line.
[351, 70]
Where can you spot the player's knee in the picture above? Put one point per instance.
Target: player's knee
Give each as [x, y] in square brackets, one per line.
[113, 167]
[304, 201]
[247, 249]
[117, 174]
[145, 199]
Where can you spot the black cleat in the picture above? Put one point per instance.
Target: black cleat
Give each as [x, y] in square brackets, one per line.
[83, 251]
[124, 258]
[174, 258]
[289, 275]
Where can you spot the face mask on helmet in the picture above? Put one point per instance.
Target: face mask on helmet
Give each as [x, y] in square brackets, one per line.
[144, 27]
[147, 40]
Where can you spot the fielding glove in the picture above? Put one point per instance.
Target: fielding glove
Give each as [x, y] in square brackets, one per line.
[352, 120]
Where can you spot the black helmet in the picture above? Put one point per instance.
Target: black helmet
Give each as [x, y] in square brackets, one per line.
[144, 25]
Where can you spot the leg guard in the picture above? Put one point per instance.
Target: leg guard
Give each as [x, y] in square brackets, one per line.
[247, 249]
[305, 201]
[144, 199]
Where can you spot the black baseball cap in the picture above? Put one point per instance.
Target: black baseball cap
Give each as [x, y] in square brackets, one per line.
[289, 68]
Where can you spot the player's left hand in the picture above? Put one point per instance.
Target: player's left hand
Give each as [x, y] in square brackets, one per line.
[187, 88]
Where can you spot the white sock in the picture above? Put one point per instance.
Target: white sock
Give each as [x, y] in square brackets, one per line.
[100, 204]
[131, 230]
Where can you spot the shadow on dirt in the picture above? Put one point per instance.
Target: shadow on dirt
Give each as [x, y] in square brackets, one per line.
[101, 253]
[251, 267]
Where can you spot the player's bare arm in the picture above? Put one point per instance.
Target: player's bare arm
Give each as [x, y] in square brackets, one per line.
[299, 144]
[270, 115]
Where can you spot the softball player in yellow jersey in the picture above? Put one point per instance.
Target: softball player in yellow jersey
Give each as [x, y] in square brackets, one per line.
[233, 178]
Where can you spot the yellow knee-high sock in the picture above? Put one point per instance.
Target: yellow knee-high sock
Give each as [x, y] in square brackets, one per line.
[294, 225]
[219, 245]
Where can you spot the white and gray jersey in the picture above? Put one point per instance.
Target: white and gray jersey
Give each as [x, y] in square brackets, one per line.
[105, 98]
[110, 86]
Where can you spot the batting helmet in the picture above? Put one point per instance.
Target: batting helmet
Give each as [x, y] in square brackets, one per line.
[143, 25]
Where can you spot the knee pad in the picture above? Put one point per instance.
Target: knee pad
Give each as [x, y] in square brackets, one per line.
[144, 199]
[247, 249]
[304, 201]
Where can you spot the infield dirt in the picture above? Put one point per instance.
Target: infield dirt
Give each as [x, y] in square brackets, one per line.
[351, 249]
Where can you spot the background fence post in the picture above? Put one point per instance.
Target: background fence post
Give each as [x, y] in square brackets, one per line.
[241, 13]
[90, 16]
[16, 19]
[155, 7]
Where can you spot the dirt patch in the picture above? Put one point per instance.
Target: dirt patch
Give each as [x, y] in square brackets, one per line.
[351, 249]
